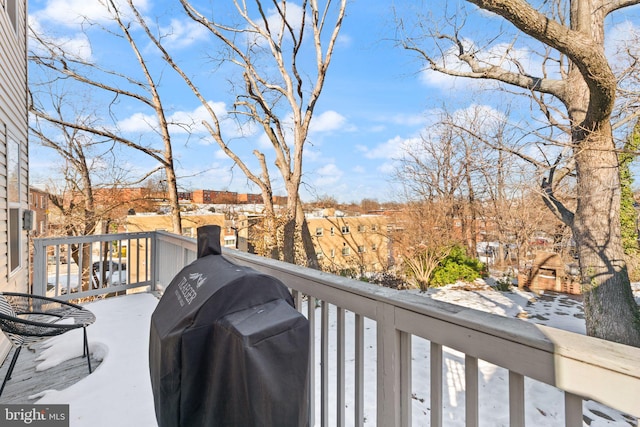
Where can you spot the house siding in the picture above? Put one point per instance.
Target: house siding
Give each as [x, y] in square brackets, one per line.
[13, 127]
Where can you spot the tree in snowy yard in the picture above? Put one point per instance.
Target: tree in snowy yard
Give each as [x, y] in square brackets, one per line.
[80, 212]
[423, 240]
[56, 60]
[575, 89]
[280, 52]
[481, 190]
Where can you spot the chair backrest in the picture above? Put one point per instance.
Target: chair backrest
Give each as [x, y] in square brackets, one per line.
[8, 326]
[5, 307]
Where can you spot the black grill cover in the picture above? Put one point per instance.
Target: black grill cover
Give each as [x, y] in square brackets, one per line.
[227, 347]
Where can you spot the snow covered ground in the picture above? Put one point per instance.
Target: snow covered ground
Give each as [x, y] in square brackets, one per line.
[118, 392]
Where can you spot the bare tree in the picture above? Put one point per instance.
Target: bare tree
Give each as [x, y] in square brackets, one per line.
[75, 199]
[278, 91]
[55, 61]
[451, 167]
[423, 238]
[576, 74]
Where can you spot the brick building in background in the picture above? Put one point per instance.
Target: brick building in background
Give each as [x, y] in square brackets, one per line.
[39, 203]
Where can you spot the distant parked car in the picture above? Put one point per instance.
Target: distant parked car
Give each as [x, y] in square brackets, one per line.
[62, 259]
[115, 273]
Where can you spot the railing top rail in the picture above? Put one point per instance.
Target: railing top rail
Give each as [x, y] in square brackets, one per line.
[183, 241]
[50, 241]
[610, 355]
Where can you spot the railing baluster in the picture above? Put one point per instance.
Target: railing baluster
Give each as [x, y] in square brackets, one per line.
[311, 315]
[79, 265]
[340, 369]
[359, 370]
[138, 249]
[57, 269]
[147, 259]
[516, 399]
[102, 267]
[90, 285]
[297, 299]
[130, 262]
[436, 384]
[324, 365]
[388, 366]
[405, 380]
[471, 390]
[572, 410]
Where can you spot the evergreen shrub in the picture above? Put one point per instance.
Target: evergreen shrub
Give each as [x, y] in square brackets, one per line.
[457, 266]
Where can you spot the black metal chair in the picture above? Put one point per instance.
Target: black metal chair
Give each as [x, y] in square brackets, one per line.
[26, 319]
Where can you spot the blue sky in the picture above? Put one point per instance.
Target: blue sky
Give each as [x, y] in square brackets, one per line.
[375, 100]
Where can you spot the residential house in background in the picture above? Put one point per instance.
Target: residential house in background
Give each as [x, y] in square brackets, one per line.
[212, 196]
[233, 231]
[350, 244]
[207, 197]
[39, 204]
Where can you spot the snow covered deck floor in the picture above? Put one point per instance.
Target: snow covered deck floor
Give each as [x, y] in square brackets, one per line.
[26, 383]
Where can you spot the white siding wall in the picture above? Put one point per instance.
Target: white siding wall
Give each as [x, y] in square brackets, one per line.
[13, 127]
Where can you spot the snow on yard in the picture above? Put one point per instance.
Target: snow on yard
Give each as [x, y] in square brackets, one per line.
[119, 393]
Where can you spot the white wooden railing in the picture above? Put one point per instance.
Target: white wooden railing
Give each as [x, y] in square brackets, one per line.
[577, 368]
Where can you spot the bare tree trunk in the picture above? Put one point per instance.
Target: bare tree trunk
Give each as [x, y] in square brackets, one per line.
[610, 308]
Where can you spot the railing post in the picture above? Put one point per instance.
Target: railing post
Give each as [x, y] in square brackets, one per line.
[155, 264]
[39, 268]
[388, 367]
[435, 369]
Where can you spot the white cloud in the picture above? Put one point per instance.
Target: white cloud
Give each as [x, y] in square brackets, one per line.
[138, 122]
[327, 121]
[387, 168]
[410, 119]
[264, 143]
[191, 121]
[312, 155]
[183, 33]
[483, 115]
[70, 13]
[328, 175]
[344, 40]
[274, 20]
[220, 155]
[76, 45]
[391, 149]
[620, 39]
[184, 122]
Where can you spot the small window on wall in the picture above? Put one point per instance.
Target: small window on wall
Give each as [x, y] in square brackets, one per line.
[12, 11]
[13, 199]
